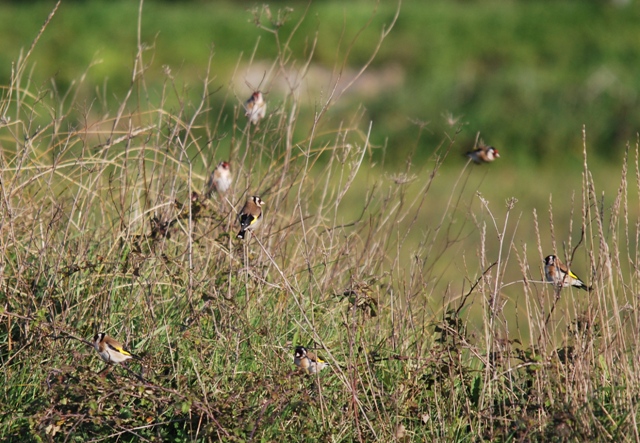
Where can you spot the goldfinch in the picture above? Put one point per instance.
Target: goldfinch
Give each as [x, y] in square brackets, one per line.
[255, 107]
[250, 216]
[557, 272]
[110, 350]
[220, 179]
[308, 361]
[483, 154]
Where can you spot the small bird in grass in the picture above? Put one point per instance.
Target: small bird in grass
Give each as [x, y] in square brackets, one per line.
[308, 361]
[110, 350]
[220, 179]
[483, 154]
[557, 272]
[255, 107]
[250, 216]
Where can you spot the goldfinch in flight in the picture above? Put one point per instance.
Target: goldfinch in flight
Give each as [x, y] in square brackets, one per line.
[250, 216]
[110, 350]
[308, 361]
[255, 107]
[483, 154]
[557, 272]
[220, 179]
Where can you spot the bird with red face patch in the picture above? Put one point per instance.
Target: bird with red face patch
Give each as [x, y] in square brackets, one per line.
[483, 154]
[250, 215]
[220, 179]
[308, 361]
[559, 274]
[110, 350]
[255, 107]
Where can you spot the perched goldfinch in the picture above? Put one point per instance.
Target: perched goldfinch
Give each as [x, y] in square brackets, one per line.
[220, 179]
[255, 107]
[110, 350]
[250, 216]
[308, 361]
[483, 154]
[557, 272]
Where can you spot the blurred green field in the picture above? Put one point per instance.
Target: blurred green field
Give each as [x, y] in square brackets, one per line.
[527, 75]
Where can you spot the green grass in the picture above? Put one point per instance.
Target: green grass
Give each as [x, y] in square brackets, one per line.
[418, 279]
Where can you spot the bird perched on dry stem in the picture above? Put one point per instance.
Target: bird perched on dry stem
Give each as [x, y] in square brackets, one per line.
[308, 361]
[557, 272]
[250, 215]
[220, 179]
[255, 107]
[483, 154]
[110, 350]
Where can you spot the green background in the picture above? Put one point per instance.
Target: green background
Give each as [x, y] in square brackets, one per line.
[526, 74]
